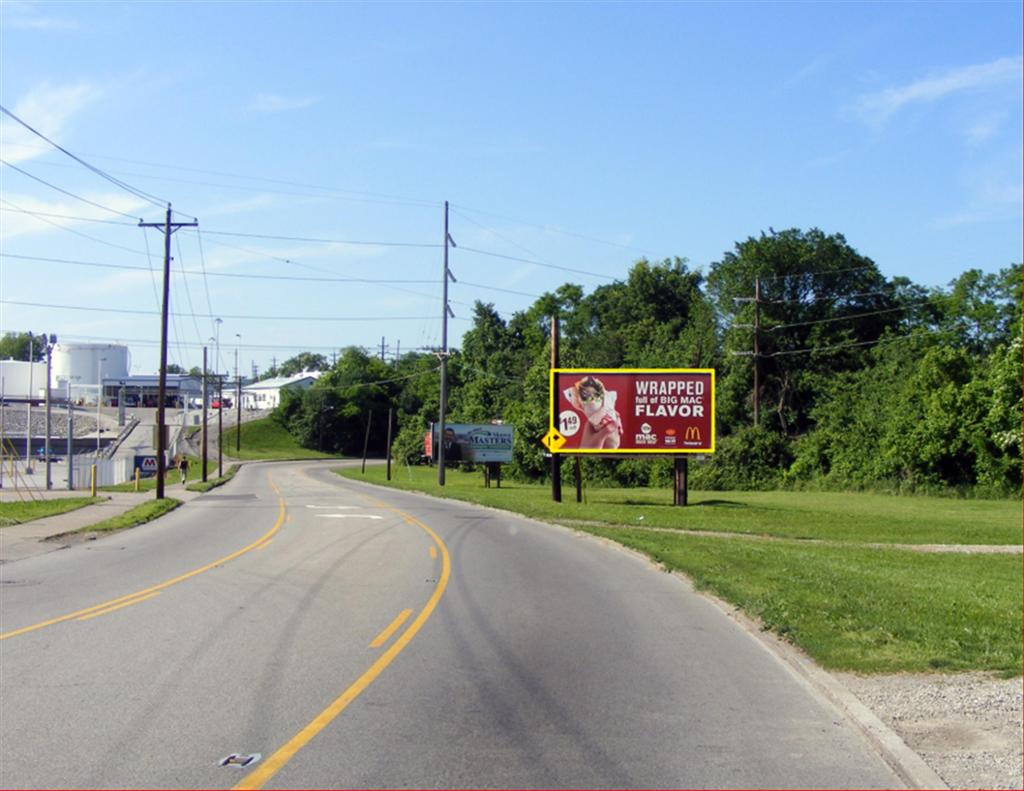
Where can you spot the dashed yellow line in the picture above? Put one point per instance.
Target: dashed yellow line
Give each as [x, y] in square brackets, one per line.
[109, 606]
[265, 771]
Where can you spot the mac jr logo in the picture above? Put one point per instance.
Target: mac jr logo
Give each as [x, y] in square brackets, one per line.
[646, 436]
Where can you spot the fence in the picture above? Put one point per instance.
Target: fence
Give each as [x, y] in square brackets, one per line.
[109, 472]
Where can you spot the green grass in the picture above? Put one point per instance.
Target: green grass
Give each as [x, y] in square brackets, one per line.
[21, 512]
[171, 477]
[265, 439]
[866, 610]
[849, 605]
[213, 483]
[140, 514]
[832, 516]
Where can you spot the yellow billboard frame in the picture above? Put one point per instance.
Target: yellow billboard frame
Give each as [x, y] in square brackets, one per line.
[553, 401]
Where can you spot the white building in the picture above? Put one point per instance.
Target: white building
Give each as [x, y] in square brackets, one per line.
[267, 394]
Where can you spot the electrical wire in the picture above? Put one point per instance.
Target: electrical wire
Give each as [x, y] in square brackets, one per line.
[102, 174]
[65, 192]
[536, 263]
[845, 318]
[211, 316]
[76, 233]
[811, 350]
[317, 240]
[70, 217]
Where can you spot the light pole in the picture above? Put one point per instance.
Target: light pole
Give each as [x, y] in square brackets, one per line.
[99, 400]
[238, 398]
[216, 345]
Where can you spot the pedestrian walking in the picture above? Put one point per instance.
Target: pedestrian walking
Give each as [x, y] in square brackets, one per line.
[183, 468]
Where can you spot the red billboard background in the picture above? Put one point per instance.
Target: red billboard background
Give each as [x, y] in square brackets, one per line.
[626, 410]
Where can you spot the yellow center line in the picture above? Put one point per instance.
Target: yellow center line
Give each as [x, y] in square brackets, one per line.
[265, 771]
[128, 603]
[384, 636]
[282, 511]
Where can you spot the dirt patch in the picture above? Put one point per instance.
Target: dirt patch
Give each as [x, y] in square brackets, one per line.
[966, 726]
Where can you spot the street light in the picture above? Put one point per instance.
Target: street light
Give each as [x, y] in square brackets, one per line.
[99, 400]
[216, 344]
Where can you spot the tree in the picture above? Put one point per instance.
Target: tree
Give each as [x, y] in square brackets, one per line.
[305, 361]
[15, 346]
[821, 304]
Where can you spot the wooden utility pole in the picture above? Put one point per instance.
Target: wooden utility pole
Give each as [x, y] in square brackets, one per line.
[446, 311]
[556, 462]
[238, 415]
[206, 407]
[757, 352]
[389, 443]
[366, 440]
[168, 228]
[220, 425]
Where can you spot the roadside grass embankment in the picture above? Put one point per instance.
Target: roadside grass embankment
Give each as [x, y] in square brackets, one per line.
[265, 439]
[213, 483]
[140, 514]
[847, 602]
[21, 512]
[171, 477]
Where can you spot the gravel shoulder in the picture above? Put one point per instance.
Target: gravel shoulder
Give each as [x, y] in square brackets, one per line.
[966, 726]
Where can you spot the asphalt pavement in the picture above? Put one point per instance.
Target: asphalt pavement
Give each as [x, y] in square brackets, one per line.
[351, 636]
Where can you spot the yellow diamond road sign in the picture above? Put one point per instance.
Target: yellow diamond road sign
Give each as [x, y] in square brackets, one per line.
[553, 440]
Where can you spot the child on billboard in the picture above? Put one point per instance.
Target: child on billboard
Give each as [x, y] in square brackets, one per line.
[603, 426]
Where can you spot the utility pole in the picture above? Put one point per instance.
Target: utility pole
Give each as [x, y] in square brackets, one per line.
[71, 434]
[556, 462]
[238, 416]
[446, 311]
[220, 426]
[167, 228]
[398, 353]
[28, 413]
[382, 348]
[757, 352]
[206, 408]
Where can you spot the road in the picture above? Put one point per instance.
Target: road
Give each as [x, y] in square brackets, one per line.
[357, 637]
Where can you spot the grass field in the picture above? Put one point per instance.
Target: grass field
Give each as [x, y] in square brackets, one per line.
[19, 512]
[848, 604]
[140, 514]
[265, 439]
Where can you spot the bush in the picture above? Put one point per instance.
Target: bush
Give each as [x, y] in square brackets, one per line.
[752, 458]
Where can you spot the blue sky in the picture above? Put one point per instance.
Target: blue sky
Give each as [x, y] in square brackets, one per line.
[571, 135]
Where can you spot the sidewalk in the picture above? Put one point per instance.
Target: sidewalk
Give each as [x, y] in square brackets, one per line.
[27, 540]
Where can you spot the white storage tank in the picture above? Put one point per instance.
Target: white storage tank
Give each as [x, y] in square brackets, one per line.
[83, 362]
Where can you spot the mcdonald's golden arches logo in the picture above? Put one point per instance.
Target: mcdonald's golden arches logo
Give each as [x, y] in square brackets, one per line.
[693, 433]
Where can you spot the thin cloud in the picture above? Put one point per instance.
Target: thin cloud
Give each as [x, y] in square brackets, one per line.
[24, 16]
[48, 108]
[876, 108]
[272, 103]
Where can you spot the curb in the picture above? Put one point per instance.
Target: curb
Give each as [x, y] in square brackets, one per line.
[907, 764]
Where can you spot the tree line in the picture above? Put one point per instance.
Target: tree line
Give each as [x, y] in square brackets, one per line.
[863, 381]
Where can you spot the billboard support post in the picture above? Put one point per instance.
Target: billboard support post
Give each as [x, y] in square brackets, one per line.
[556, 463]
[579, 480]
[682, 480]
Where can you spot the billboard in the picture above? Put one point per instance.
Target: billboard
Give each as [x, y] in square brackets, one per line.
[475, 442]
[630, 410]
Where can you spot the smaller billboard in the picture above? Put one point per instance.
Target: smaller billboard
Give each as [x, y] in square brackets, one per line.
[474, 442]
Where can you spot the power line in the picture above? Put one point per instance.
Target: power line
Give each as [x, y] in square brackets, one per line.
[536, 263]
[76, 233]
[211, 316]
[318, 240]
[69, 217]
[815, 274]
[554, 230]
[250, 346]
[65, 192]
[102, 174]
[237, 275]
[850, 316]
[811, 350]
